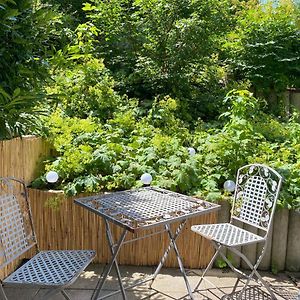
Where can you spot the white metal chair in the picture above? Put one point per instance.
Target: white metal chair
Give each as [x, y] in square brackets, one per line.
[53, 270]
[255, 196]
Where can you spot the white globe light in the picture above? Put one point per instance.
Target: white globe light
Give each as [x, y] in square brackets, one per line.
[51, 176]
[146, 178]
[229, 185]
[191, 151]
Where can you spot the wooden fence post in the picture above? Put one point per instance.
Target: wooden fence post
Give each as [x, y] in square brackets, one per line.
[293, 243]
[250, 250]
[279, 241]
[265, 264]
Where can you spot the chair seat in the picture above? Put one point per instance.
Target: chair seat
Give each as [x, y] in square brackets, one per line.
[52, 268]
[227, 234]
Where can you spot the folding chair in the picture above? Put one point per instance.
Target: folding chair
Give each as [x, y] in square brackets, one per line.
[255, 196]
[53, 270]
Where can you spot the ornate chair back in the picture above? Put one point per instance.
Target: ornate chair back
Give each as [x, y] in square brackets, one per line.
[16, 227]
[256, 193]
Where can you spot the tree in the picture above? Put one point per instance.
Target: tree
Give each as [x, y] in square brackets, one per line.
[161, 46]
[265, 47]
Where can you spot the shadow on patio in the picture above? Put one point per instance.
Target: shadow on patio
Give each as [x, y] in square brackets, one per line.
[168, 285]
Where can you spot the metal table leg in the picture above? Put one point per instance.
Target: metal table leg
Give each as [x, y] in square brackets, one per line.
[165, 255]
[114, 251]
[111, 246]
[173, 245]
[115, 248]
[182, 270]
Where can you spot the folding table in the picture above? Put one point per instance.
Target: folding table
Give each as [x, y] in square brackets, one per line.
[140, 209]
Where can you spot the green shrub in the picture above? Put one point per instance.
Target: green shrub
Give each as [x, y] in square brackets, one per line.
[85, 88]
[94, 156]
[164, 47]
[265, 46]
[112, 156]
[28, 33]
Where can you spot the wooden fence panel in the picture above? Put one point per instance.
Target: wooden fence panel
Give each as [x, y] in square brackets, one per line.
[279, 239]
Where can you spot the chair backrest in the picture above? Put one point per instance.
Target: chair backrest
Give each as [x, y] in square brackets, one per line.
[16, 227]
[256, 193]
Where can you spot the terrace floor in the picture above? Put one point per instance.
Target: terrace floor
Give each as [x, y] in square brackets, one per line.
[170, 282]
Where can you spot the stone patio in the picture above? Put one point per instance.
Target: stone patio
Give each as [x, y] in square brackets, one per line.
[168, 285]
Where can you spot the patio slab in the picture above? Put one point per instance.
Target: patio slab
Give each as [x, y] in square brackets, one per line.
[169, 283]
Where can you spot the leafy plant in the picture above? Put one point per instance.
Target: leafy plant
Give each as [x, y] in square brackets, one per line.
[93, 156]
[17, 115]
[84, 88]
[221, 263]
[164, 47]
[265, 46]
[54, 202]
[27, 32]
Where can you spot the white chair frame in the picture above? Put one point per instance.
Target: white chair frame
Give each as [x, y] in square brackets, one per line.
[53, 270]
[256, 192]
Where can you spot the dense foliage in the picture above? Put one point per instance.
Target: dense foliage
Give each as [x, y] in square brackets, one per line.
[134, 83]
[85, 89]
[93, 157]
[27, 34]
[164, 47]
[265, 46]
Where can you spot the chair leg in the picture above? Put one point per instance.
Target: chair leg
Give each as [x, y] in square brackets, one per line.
[65, 295]
[253, 271]
[36, 293]
[236, 284]
[2, 293]
[218, 249]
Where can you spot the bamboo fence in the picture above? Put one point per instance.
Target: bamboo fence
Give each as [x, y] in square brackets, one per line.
[22, 157]
[61, 224]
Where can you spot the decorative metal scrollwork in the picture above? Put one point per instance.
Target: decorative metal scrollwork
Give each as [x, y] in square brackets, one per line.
[256, 194]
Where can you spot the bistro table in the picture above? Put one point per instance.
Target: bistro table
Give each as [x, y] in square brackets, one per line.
[140, 209]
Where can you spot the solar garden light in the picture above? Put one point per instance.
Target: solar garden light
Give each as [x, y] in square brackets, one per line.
[146, 179]
[229, 186]
[52, 177]
[191, 151]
